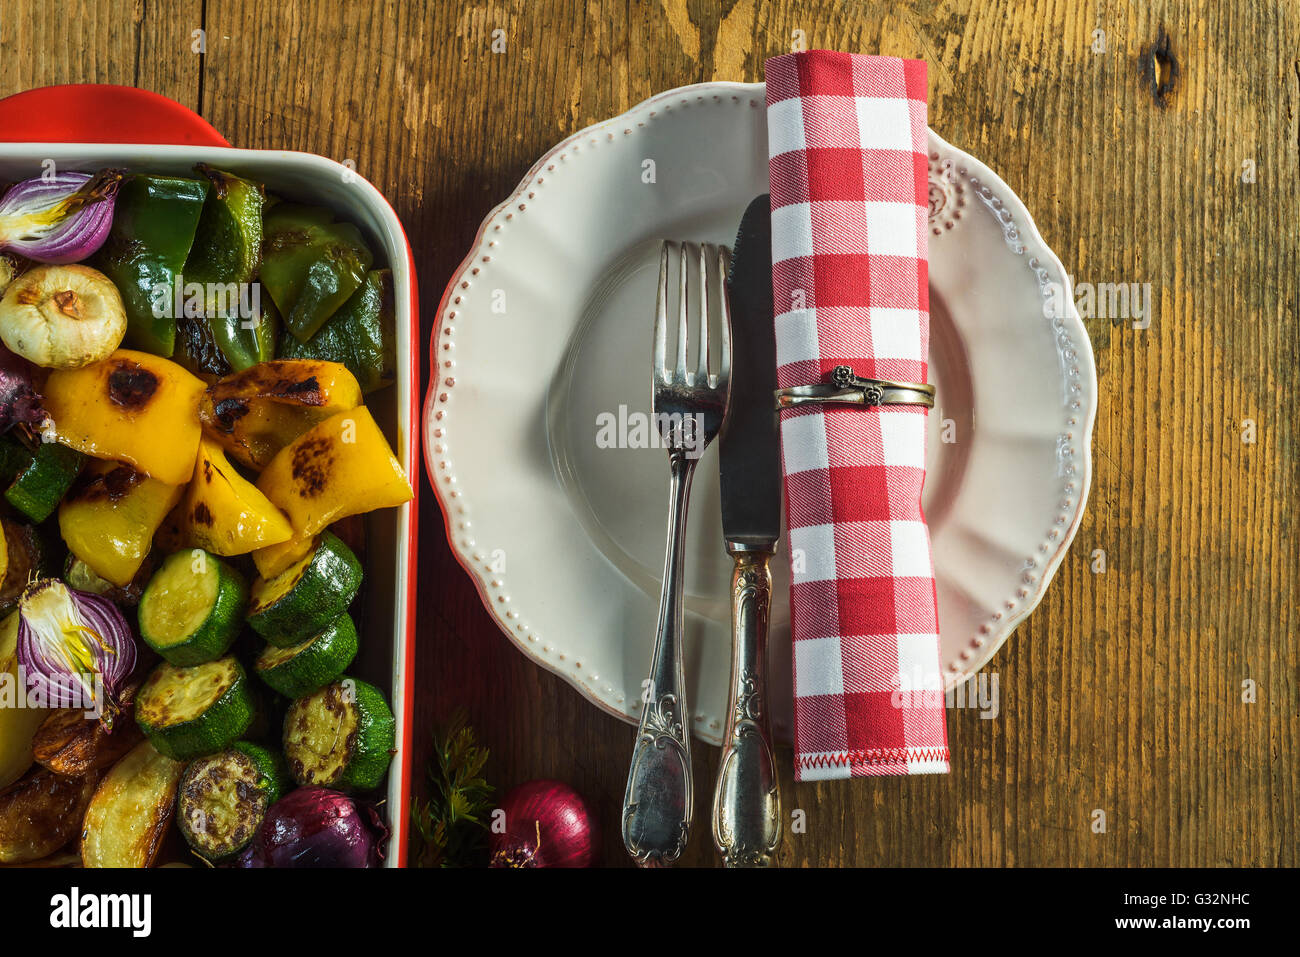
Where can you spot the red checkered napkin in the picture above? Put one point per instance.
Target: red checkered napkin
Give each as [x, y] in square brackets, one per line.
[847, 149]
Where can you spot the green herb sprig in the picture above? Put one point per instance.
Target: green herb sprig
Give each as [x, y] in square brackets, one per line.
[452, 824]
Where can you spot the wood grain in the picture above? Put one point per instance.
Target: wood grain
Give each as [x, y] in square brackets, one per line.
[1123, 692]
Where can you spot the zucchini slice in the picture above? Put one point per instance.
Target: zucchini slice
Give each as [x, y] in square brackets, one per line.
[39, 488]
[342, 736]
[193, 608]
[303, 599]
[298, 670]
[131, 811]
[190, 712]
[223, 798]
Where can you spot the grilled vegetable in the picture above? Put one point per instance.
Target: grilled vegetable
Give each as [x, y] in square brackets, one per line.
[19, 402]
[228, 242]
[226, 254]
[300, 669]
[361, 335]
[224, 798]
[193, 608]
[131, 811]
[132, 407]
[310, 271]
[189, 712]
[18, 723]
[77, 574]
[341, 736]
[62, 317]
[317, 827]
[41, 813]
[77, 648]
[59, 218]
[224, 512]
[24, 555]
[109, 518]
[301, 601]
[255, 413]
[338, 468]
[37, 489]
[69, 743]
[153, 230]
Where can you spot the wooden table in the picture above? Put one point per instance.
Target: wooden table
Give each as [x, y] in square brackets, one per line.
[1154, 143]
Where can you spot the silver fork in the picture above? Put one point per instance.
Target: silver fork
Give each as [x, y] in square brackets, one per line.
[689, 409]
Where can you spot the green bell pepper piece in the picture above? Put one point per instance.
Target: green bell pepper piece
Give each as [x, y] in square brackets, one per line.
[282, 216]
[361, 335]
[246, 342]
[228, 244]
[310, 271]
[154, 223]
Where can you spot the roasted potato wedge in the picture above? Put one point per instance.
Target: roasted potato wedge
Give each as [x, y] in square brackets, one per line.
[68, 742]
[40, 813]
[132, 809]
[17, 724]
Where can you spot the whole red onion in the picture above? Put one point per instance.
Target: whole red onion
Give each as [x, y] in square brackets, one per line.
[546, 825]
[317, 827]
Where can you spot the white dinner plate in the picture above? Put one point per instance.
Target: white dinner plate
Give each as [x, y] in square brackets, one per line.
[547, 326]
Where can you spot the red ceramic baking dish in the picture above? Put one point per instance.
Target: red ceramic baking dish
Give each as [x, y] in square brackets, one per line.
[90, 127]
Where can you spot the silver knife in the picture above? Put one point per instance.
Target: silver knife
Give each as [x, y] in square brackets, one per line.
[746, 799]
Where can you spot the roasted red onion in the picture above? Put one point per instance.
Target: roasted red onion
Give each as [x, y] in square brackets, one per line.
[546, 825]
[19, 401]
[63, 218]
[317, 827]
[76, 648]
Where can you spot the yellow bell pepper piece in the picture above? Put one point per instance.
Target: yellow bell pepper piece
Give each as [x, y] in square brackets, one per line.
[17, 724]
[224, 512]
[274, 559]
[109, 518]
[255, 413]
[131, 407]
[338, 468]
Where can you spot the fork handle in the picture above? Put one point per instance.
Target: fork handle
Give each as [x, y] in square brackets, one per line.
[746, 798]
[658, 802]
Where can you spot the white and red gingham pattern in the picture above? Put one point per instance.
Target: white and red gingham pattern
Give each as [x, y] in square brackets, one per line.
[847, 153]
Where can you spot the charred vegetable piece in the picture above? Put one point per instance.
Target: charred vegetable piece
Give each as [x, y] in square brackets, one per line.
[310, 271]
[338, 468]
[224, 512]
[18, 724]
[77, 574]
[41, 813]
[361, 335]
[132, 407]
[109, 518]
[131, 811]
[224, 797]
[189, 712]
[303, 600]
[24, 552]
[37, 489]
[197, 351]
[300, 669]
[247, 336]
[193, 608]
[153, 229]
[255, 413]
[228, 241]
[341, 736]
[68, 742]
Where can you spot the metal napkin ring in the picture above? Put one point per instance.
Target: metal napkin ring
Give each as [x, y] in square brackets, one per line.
[847, 388]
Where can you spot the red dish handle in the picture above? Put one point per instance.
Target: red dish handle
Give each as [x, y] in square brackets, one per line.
[101, 113]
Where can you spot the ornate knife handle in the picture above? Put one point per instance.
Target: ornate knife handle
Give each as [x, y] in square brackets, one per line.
[747, 799]
[658, 802]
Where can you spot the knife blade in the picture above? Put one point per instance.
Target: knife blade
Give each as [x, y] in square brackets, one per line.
[746, 799]
[749, 449]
